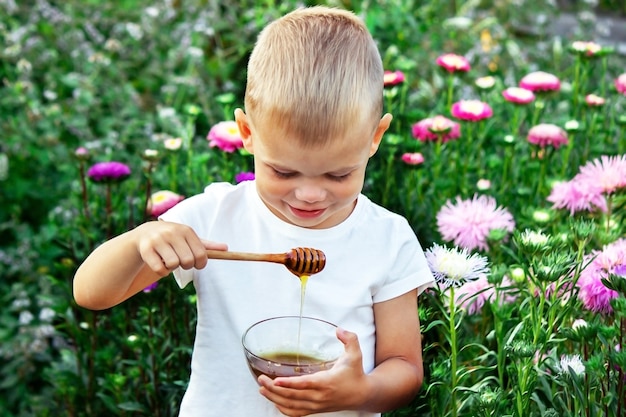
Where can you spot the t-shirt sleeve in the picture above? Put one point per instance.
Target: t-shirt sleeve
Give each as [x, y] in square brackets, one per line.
[409, 270]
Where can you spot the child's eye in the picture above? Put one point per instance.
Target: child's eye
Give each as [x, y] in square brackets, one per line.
[283, 174]
[339, 178]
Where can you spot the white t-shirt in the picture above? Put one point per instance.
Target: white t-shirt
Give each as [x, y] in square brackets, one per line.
[372, 256]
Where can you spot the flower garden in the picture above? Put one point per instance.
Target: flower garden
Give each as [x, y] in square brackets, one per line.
[507, 154]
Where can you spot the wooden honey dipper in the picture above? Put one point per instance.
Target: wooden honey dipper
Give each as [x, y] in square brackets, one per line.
[300, 261]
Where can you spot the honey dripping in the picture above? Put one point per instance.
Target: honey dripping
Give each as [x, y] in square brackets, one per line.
[303, 281]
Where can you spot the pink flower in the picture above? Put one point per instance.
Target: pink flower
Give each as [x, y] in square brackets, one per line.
[576, 195]
[415, 158]
[433, 128]
[82, 153]
[469, 222]
[472, 295]
[226, 136]
[546, 134]
[540, 81]
[593, 100]
[594, 295]
[108, 172]
[244, 176]
[471, 110]
[620, 83]
[392, 78]
[518, 95]
[162, 201]
[607, 172]
[453, 63]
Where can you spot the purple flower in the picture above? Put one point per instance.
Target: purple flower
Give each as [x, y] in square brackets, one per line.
[244, 176]
[471, 110]
[469, 222]
[415, 158]
[108, 172]
[540, 81]
[226, 136]
[473, 295]
[436, 128]
[151, 287]
[162, 201]
[453, 63]
[518, 95]
[392, 78]
[594, 295]
[546, 134]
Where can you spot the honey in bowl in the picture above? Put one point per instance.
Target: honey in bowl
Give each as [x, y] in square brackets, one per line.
[290, 346]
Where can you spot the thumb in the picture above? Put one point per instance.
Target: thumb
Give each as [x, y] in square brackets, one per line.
[350, 341]
[214, 245]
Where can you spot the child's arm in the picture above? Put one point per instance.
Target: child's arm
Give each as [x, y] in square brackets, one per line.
[128, 263]
[394, 382]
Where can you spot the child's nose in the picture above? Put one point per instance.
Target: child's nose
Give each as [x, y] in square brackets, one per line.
[310, 193]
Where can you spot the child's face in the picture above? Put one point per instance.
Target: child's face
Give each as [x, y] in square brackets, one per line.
[312, 187]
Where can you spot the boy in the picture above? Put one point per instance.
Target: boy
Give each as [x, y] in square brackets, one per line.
[313, 104]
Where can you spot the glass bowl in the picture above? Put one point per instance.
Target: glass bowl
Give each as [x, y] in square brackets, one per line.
[290, 346]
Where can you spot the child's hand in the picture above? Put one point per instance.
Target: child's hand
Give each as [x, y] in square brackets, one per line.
[165, 246]
[337, 389]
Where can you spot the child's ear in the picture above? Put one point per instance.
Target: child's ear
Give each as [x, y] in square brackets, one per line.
[383, 125]
[244, 129]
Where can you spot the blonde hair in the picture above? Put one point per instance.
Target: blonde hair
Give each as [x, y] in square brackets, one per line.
[314, 73]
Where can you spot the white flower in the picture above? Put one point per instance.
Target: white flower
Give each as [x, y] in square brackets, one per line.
[573, 363]
[453, 267]
[579, 323]
[26, 317]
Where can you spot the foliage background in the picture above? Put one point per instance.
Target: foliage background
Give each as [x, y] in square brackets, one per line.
[118, 77]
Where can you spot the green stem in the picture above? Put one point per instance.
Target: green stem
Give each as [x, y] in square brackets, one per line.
[453, 355]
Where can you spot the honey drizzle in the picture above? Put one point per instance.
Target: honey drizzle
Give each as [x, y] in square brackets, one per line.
[303, 281]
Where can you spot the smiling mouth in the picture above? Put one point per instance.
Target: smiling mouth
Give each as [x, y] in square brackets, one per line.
[307, 214]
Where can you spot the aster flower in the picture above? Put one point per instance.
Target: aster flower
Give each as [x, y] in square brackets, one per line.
[162, 201]
[593, 100]
[540, 81]
[108, 172]
[620, 83]
[586, 49]
[225, 136]
[473, 295]
[392, 78]
[436, 128]
[469, 222]
[576, 196]
[453, 63]
[594, 295]
[572, 363]
[455, 266]
[151, 287]
[471, 110]
[82, 154]
[485, 83]
[244, 176]
[518, 95]
[414, 158]
[546, 134]
[173, 144]
[608, 172]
